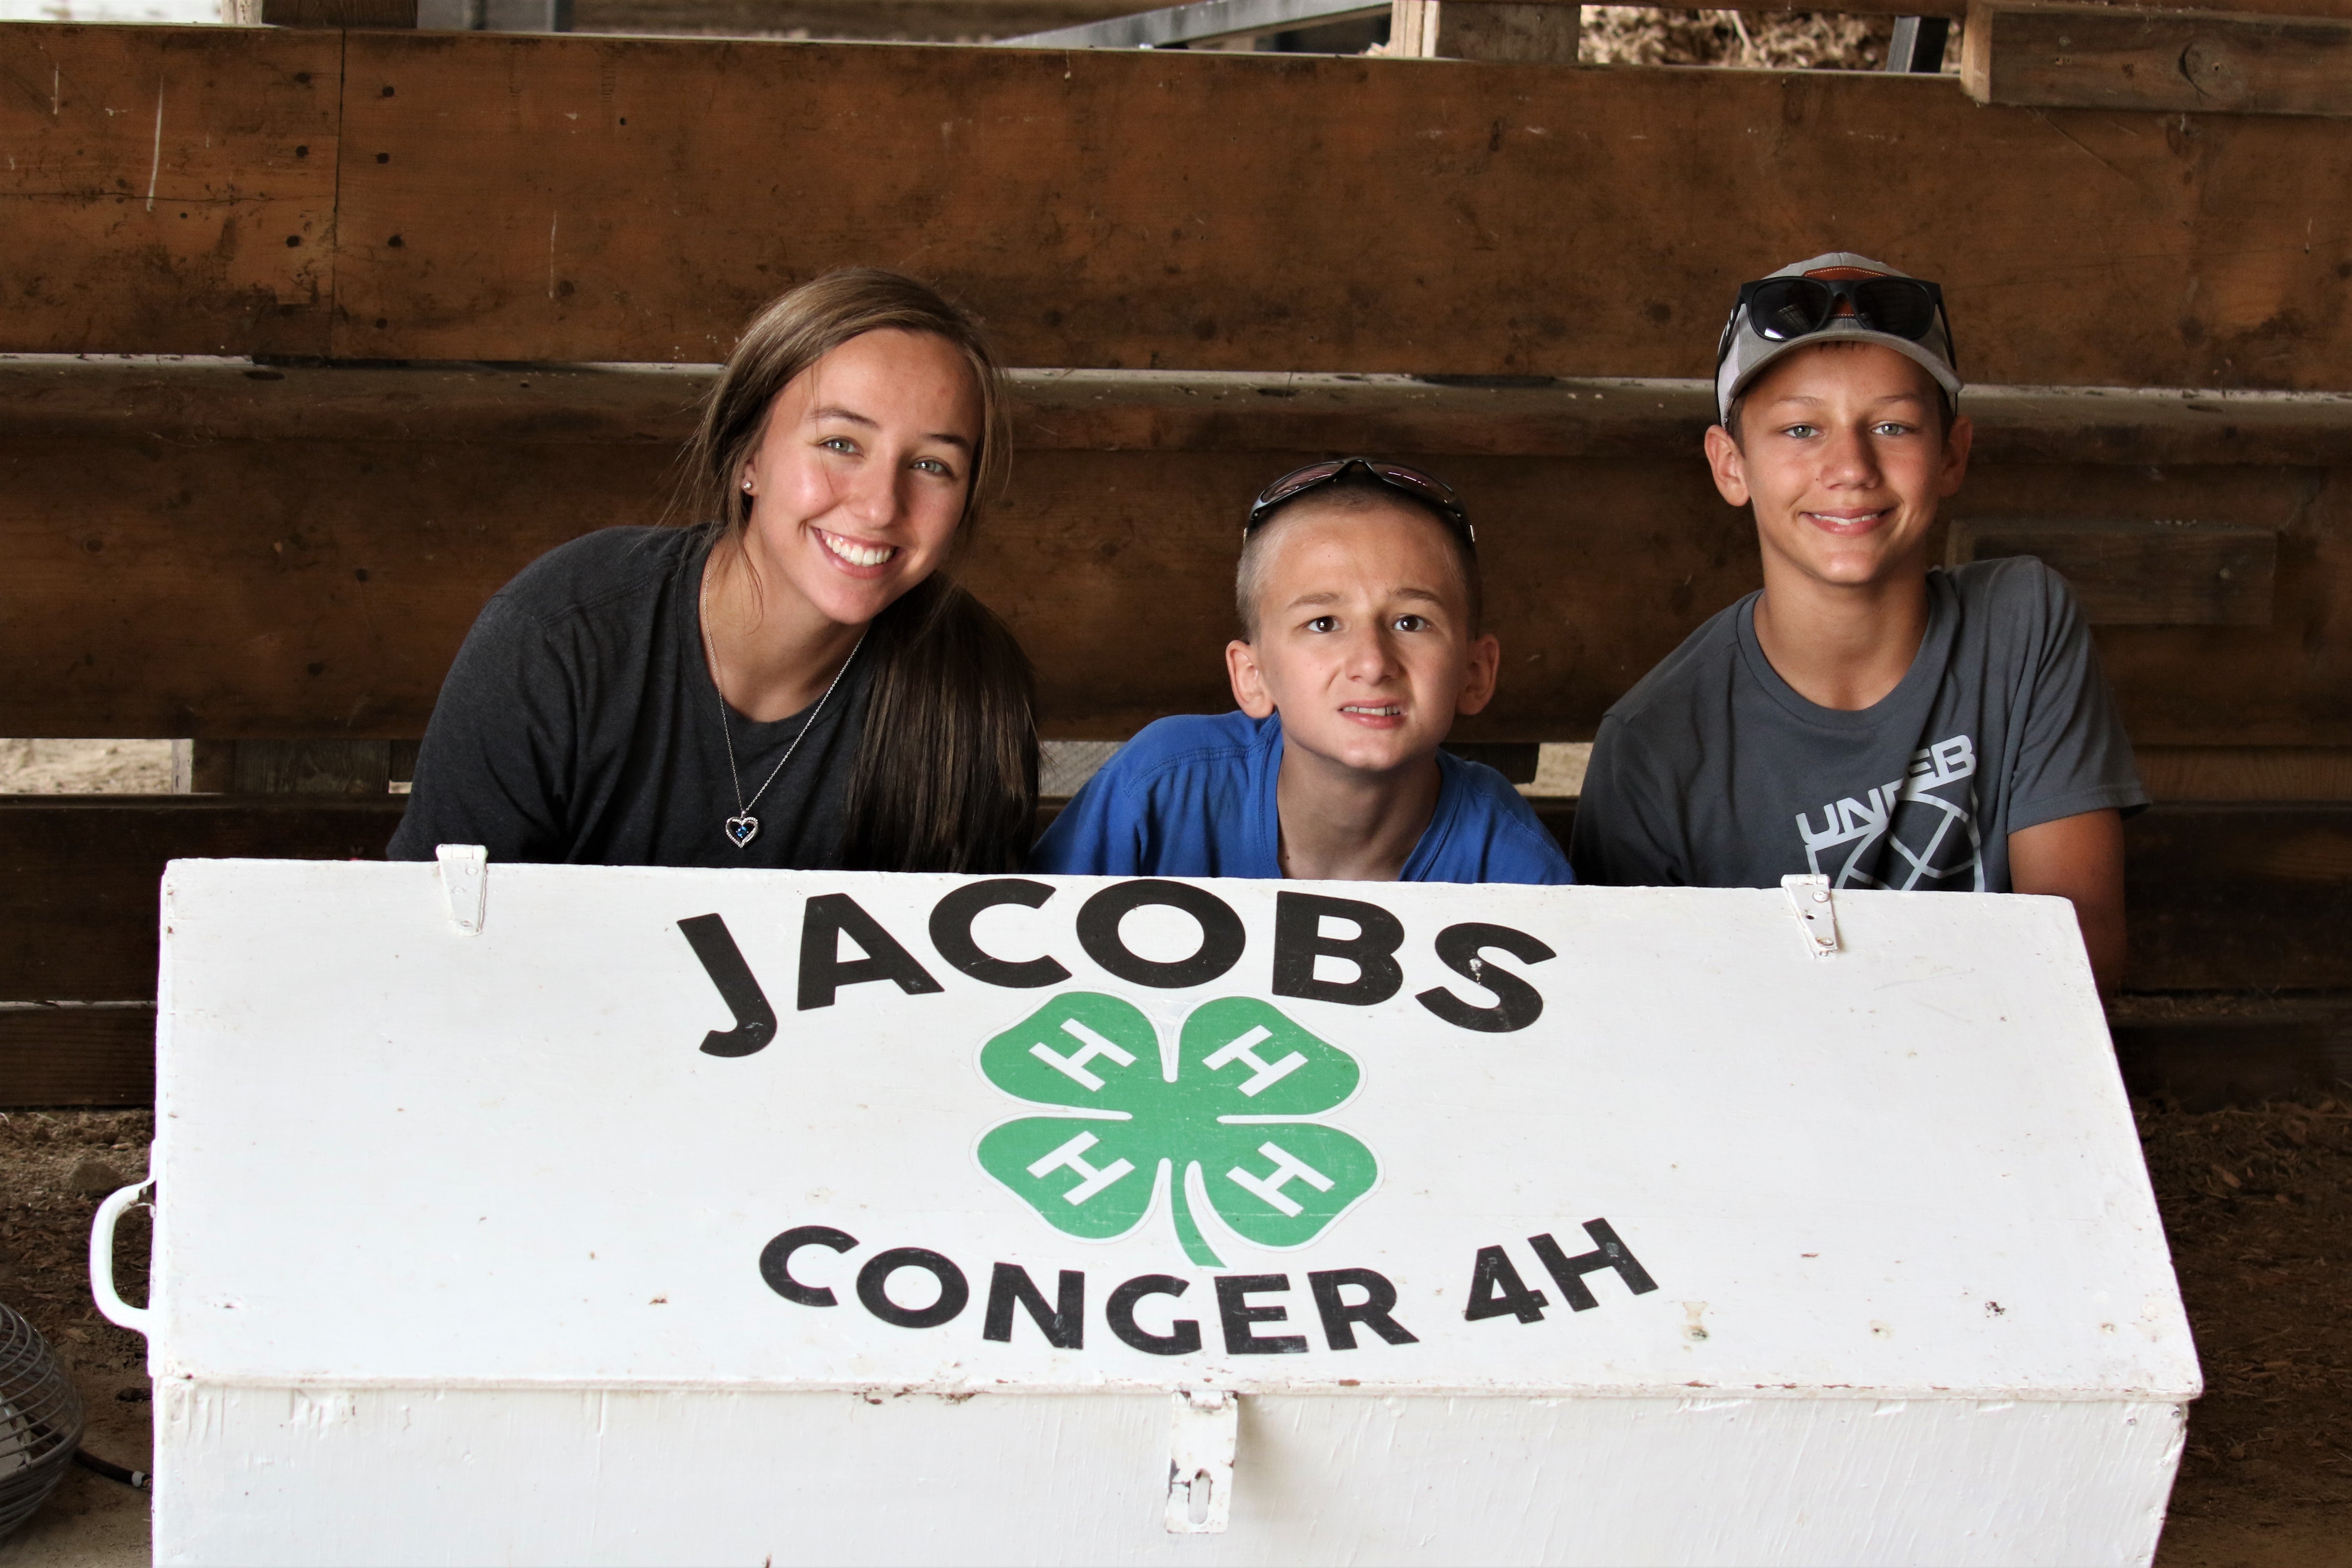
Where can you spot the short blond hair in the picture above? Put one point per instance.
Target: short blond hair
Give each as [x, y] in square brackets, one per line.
[1357, 492]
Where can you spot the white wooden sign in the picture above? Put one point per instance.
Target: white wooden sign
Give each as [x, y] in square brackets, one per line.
[672, 1215]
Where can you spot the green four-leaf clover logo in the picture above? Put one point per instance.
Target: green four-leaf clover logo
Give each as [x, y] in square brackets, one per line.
[1232, 1103]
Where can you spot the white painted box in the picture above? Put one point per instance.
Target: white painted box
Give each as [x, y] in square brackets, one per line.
[736, 1217]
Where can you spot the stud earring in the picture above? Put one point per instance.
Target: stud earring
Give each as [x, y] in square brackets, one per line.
[747, 487]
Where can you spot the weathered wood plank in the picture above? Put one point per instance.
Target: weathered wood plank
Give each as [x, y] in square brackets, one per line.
[2264, 1050]
[289, 767]
[167, 190]
[1620, 417]
[2246, 773]
[82, 873]
[2223, 898]
[2200, 1050]
[2240, 896]
[1159, 208]
[77, 1056]
[308, 590]
[54, 397]
[2219, 897]
[2204, 1050]
[1095, 214]
[2128, 58]
[2153, 573]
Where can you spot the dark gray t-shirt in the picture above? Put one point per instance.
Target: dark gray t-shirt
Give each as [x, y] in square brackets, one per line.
[580, 724]
[1714, 773]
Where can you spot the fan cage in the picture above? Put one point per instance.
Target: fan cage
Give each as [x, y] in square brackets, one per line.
[40, 1420]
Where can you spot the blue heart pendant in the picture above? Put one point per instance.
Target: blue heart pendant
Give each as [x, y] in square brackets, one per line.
[742, 829]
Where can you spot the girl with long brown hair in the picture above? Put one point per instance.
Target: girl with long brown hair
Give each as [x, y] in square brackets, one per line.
[791, 681]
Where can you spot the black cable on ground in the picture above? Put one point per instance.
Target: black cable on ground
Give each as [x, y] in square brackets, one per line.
[112, 1471]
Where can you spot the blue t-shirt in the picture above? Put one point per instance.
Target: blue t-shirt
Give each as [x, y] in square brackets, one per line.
[1195, 796]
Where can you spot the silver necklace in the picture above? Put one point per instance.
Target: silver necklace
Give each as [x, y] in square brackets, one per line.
[742, 828]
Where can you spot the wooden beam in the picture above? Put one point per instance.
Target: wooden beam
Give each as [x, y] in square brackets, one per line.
[171, 187]
[2131, 58]
[2223, 898]
[289, 767]
[2219, 897]
[1120, 208]
[57, 398]
[313, 590]
[102, 1055]
[194, 552]
[2246, 773]
[2208, 1051]
[2162, 573]
[516, 198]
[2240, 896]
[2201, 1050]
[82, 875]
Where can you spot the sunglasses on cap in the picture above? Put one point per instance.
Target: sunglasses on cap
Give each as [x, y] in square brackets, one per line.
[1426, 488]
[1781, 309]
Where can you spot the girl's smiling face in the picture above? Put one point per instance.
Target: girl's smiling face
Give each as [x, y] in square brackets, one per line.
[1843, 455]
[863, 472]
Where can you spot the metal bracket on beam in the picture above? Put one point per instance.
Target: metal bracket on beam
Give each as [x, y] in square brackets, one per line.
[1918, 44]
[1203, 1426]
[465, 880]
[1816, 914]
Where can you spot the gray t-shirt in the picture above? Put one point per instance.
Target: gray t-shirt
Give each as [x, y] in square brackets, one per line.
[579, 724]
[1712, 772]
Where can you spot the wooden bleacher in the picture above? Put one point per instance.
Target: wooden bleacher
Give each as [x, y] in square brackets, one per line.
[456, 277]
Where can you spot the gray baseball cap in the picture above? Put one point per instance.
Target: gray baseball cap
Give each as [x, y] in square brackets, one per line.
[1745, 352]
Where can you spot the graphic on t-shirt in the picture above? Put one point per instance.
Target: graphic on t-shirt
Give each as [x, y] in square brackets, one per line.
[1933, 835]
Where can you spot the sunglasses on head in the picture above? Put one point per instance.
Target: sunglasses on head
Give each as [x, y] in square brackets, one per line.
[1426, 488]
[1781, 309]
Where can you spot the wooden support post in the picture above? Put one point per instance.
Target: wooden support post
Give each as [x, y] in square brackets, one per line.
[1516, 34]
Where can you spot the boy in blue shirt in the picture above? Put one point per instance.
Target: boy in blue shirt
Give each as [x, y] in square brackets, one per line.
[1358, 595]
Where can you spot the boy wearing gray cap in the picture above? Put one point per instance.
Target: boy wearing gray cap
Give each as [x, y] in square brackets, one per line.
[1865, 717]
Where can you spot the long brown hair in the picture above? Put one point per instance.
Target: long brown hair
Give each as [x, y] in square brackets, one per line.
[946, 770]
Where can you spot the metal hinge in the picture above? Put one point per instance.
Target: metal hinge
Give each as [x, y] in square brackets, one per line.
[1810, 896]
[465, 879]
[1203, 1424]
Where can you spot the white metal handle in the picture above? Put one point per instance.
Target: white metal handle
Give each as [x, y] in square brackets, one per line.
[110, 1305]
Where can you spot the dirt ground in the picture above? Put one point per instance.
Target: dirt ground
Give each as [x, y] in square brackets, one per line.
[2258, 1204]
[85, 767]
[1646, 35]
[89, 1521]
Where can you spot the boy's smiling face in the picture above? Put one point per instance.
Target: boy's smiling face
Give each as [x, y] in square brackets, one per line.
[1363, 639]
[1844, 455]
